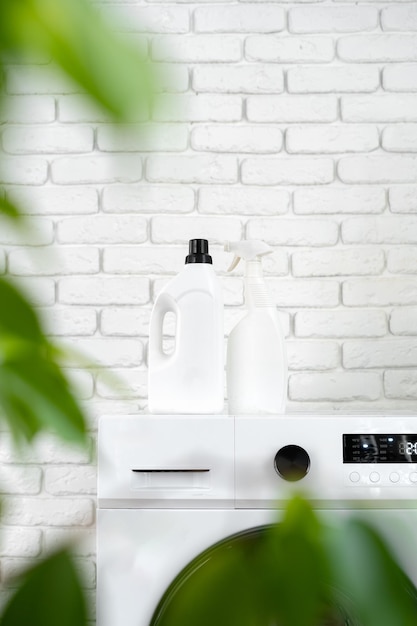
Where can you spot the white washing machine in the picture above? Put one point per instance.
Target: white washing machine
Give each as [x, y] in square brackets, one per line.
[172, 486]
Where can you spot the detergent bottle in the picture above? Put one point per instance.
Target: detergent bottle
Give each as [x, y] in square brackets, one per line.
[256, 369]
[191, 378]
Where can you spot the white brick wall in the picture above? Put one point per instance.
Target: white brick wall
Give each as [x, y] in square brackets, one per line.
[294, 122]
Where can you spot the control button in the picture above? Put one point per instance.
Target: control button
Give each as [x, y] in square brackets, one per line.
[374, 477]
[355, 477]
[413, 477]
[394, 477]
[292, 463]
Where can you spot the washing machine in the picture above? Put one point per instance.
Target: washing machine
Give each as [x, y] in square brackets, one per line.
[170, 488]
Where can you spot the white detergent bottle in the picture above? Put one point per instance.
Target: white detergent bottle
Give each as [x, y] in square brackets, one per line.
[256, 367]
[191, 378]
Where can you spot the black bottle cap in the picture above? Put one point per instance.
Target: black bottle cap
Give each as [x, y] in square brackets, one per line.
[198, 251]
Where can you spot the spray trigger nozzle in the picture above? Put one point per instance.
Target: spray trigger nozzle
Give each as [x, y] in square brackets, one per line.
[249, 250]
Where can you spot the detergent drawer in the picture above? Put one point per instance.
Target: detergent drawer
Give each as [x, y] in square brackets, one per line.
[165, 462]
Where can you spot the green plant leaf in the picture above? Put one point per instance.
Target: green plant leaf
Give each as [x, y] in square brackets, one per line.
[106, 65]
[34, 393]
[50, 593]
[376, 586]
[294, 559]
[8, 208]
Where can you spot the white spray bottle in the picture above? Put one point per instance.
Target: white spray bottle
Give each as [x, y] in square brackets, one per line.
[256, 353]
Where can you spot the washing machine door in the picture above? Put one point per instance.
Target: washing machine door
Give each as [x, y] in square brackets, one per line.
[246, 600]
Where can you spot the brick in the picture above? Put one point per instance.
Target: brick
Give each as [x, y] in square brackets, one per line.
[338, 262]
[382, 229]
[379, 292]
[340, 323]
[104, 290]
[304, 108]
[64, 481]
[20, 479]
[378, 48]
[81, 382]
[144, 19]
[382, 353]
[400, 138]
[384, 108]
[197, 49]
[41, 79]
[178, 230]
[141, 138]
[246, 139]
[402, 260]
[120, 168]
[20, 542]
[28, 110]
[378, 169]
[401, 77]
[80, 108]
[127, 321]
[335, 386]
[49, 511]
[39, 291]
[38, 232]
[314, 355]
[304, 292]
[403, 321]
[331, 139]
[196, 108]
[400, 384]
[83, 540]
[41, 139]
[400, 18]
[347, 19]
[354, 78]
[102, 229]
[347, 199]
[403, 199]
[132, 383]
[51, 262]
[243, 200]
[285, 171]
[148, 199]
[241, 18]
[143, 260]
[293, 232]
[281, 49]
[23, 170]
[44, 449]
[61, 321]
[2, 261]
[192, 169]
[55, 200]
[172, 78]
[109, 352]
[259, 78]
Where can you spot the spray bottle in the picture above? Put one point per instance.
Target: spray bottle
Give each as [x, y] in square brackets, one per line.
[256, 355]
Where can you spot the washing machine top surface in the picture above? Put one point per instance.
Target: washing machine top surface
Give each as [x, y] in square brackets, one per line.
[220, 461]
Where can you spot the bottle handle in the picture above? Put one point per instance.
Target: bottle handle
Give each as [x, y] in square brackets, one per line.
[163, 305]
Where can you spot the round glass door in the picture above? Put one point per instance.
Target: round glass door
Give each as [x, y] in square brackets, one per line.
[226, 584]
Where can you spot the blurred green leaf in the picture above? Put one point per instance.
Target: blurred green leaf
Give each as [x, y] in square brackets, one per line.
[364, 567]
[294, 558]
[50, 594]
[73, 34]
[8, 208]
[34, 393]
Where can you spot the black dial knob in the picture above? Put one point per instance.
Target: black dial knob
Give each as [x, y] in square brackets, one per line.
[292, 463]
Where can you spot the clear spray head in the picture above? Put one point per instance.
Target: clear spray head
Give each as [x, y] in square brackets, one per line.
[249, 250]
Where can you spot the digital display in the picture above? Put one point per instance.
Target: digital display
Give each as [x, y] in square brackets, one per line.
[376, 448]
